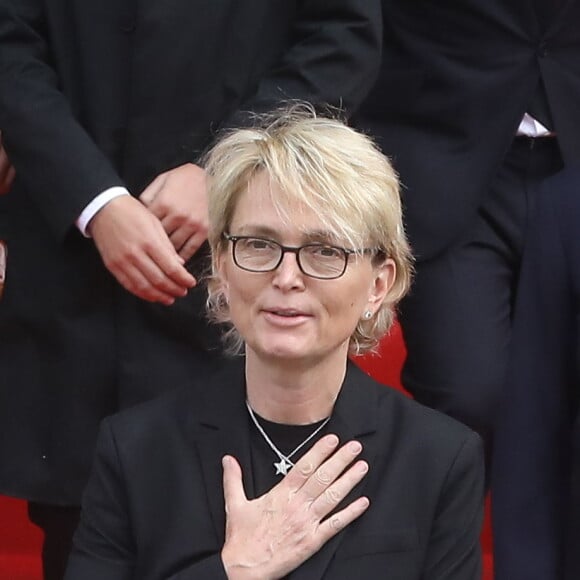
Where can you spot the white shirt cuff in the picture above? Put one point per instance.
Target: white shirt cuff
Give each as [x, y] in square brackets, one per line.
[97, 204]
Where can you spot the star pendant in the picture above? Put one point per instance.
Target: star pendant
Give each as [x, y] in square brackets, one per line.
[282, 466]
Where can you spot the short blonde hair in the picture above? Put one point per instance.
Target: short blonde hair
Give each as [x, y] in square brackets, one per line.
[331, 169]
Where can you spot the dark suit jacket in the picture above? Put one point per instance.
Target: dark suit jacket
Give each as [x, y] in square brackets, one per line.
[536, 472]
[154, 509]
[113, 92]
[456, 79]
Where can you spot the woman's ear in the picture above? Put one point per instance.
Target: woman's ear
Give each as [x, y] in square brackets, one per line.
[384, 278]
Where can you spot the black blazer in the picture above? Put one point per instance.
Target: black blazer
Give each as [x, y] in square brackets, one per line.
[113, 92]
[536, 470]
[456, 79]
[154, 508]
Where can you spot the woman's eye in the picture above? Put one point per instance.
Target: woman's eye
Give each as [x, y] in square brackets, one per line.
[257, 244]
[326, 252]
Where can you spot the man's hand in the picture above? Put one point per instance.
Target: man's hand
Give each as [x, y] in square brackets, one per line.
[270, 536]
[136, 250]
[7, 172]
[178, 198]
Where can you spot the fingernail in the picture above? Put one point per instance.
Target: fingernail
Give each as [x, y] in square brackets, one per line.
[363, 466]
[331, 440]
[355, 447]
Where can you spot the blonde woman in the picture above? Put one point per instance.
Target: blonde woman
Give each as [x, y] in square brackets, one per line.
[290, 462]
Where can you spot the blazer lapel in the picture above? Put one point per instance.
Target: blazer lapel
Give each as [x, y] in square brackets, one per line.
[223, 429]
[354, 417]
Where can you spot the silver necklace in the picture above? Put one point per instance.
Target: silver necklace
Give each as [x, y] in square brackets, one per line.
[285, 462]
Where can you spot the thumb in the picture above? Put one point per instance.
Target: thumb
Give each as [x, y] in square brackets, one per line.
[234, 494]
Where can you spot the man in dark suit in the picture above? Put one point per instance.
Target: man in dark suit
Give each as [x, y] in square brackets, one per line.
[154, 506]
[477, 103]
[99, 99]
[536, 475]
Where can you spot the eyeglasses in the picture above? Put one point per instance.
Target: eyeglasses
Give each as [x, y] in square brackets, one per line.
[320, 261]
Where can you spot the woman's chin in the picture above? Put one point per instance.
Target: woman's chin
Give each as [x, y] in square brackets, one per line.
[283, 351]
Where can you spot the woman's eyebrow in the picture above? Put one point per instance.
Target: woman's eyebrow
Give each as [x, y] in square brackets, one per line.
[311, 236]
[320, 236]
[256, 230]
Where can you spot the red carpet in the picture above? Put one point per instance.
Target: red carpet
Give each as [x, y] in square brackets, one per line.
[20, 541]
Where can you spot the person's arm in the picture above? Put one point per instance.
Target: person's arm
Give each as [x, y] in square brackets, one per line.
[63, 170]
[454, 552]
[333, 59]
[531, 463]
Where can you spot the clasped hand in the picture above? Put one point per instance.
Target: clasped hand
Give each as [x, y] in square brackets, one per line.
[145, 243]
[268, 537]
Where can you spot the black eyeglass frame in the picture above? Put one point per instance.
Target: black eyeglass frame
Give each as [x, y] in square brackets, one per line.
[296, 251]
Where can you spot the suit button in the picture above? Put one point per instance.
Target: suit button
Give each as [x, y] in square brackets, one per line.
[128, 26]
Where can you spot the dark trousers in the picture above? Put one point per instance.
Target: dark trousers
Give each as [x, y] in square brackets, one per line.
[457, 318]
[58, 524]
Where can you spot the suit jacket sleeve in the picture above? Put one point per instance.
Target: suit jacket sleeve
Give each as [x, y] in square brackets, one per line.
[103, 545]
[454, 550]
[56, 160]
[334, 58]
[531, 462]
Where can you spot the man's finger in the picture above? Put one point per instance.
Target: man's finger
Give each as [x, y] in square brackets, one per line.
[191, 246]
[131, 278]
[171, 266]
[150, 192]
[158, 279]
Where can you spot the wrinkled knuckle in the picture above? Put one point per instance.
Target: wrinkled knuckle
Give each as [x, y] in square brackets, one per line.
[307, 469]
[336, 523]
[323, 477]
[331, 496]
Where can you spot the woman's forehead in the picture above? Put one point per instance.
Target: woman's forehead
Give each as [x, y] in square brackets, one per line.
[263, 207]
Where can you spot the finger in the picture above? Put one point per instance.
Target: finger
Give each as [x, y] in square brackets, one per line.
[178, 233]
[309, 463]
[169, 262]
[158, 279]
[133, 280]
[149, 194]
[186, 235]
[329, 471]
[332, 495]
[338, 521]
[192, 245]
[234, 494]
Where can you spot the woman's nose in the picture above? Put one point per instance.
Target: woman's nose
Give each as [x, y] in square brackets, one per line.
[288, 273]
